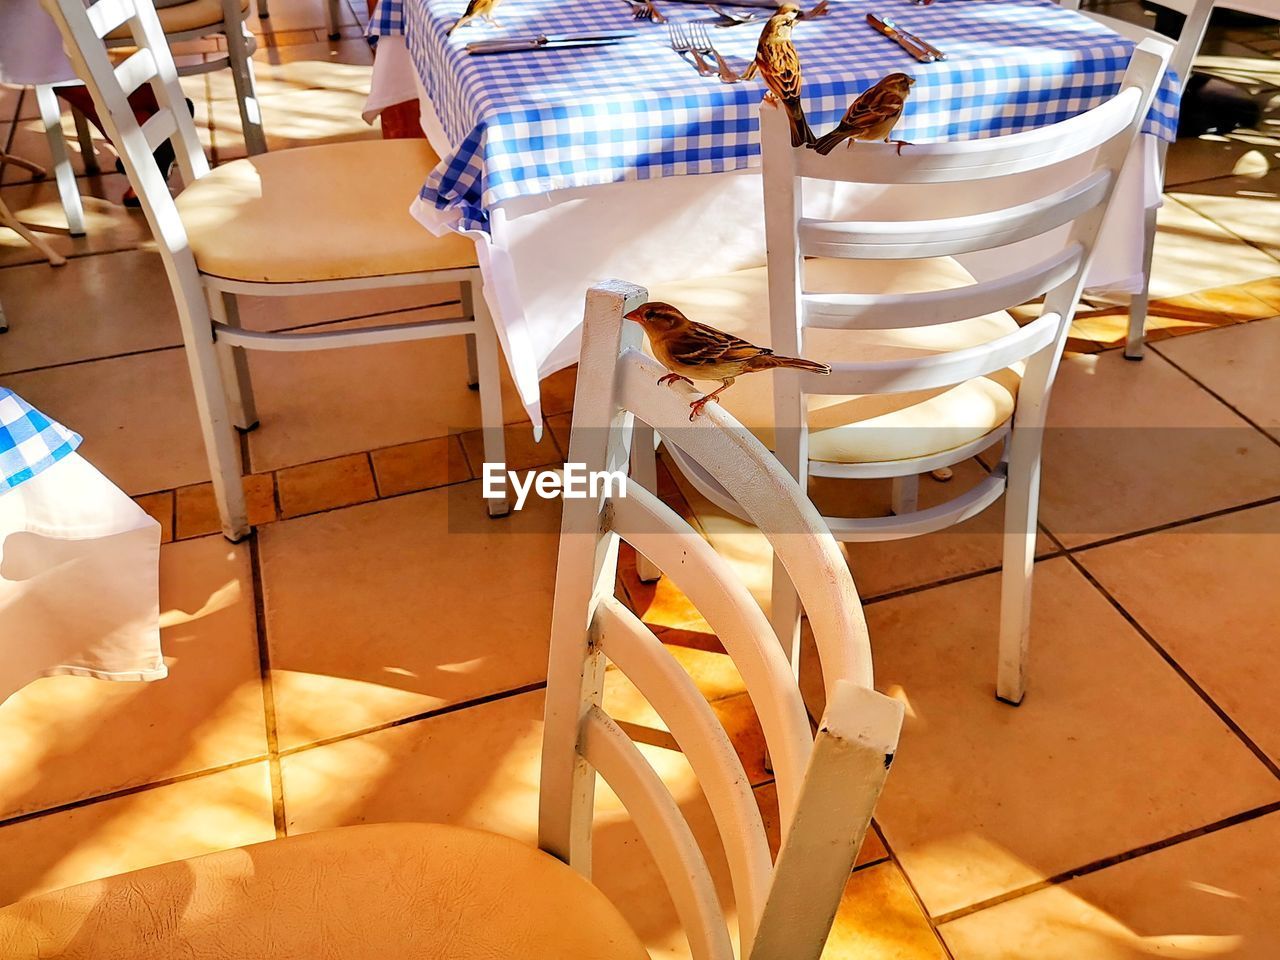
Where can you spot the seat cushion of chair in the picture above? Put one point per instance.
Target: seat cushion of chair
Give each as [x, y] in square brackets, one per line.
[328, 212]
[376, 892]
[181, 17]
[860, 429]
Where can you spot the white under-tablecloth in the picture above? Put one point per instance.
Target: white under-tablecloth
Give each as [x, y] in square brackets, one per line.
[544, 251]
[30, 46]
[79, 580]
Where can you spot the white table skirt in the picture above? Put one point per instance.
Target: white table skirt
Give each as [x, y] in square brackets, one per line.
[79, 580]
[544, 251]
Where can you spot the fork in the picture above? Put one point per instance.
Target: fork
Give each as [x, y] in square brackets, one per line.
[701, 43]
[730, 19]
[646, 10]
[682, 44]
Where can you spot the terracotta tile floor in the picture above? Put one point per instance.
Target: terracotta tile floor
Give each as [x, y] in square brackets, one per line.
[377, 652]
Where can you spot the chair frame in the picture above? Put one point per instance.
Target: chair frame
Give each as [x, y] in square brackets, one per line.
[215, 342]
[1110, 131]
[827, 786]
[1182, 54]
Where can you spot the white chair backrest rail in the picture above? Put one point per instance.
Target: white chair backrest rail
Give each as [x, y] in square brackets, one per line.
[827, 786]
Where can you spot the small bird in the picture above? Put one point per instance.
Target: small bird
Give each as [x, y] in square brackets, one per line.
[872, 116]
[694, 351]
[476, 8]
[779, 65]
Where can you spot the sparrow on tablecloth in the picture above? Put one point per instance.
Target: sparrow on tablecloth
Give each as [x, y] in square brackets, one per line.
[476, 8]
[873, 115]
[694, 351]
[779, 66]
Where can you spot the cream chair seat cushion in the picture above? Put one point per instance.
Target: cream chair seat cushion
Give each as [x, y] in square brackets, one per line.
[334, 211]
[860, 429]
[377, 892]
[181, 17]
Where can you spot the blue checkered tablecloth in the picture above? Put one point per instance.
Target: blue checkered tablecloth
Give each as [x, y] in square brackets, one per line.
[29, 441]
[529, 123]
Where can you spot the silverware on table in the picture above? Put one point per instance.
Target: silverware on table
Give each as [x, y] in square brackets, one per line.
[913, 48]
[702, 44]
[730, 19]
[925, 44]
[646, 10]
[682, 43]
[544, 42]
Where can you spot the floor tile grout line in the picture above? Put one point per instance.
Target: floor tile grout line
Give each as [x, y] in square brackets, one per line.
[130, 791]
[934, 925]
[1173, 524]
[268, 691]
[424, 715]
[1272, 767]
[1096, 866]
[1213, 393]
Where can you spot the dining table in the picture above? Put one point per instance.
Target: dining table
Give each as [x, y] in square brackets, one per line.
[569, 165]
[79, 561]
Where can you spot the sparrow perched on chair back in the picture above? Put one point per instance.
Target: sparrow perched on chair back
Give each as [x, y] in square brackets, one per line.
[779, 65]
[694, 351]
[873, 115]
[476, 8]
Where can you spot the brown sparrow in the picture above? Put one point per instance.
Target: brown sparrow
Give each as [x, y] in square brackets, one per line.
[873, 115]
[694, 351]
[477, 8]
[779, 65]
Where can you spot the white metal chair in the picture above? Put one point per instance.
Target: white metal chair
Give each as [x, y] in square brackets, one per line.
[387, 892]
[929, 369]
[1181, 54]
[313, 220]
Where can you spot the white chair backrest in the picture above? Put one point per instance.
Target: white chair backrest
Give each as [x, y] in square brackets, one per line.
[1102, 135]
[827, 787]
[83, 29]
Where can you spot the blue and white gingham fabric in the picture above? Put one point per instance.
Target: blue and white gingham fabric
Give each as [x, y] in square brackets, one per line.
[29, 441]
[530, 123]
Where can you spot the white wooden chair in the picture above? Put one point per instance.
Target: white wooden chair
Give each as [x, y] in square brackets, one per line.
[929, 369]
[1181, 54]
[387, 891]
[313, 220]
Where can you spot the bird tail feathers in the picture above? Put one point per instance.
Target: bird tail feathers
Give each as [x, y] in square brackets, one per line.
[801, 134]
[828, 142]
[796, 363]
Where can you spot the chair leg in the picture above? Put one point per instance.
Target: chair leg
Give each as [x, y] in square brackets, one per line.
[1133, 346]
[1021, 508]
[906, 495]
[220, 442]
[8, 219]
[234, 363]
[88, 156]
[490, 386]
[4, 324]
[263, 11]
[241, 62]
[334, 19]
[644, 473]
[51, 117]
[473, 372]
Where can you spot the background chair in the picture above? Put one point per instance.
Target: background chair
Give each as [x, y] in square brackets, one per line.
[390, 891]
[929, 368]
[1182, 52]
[313, 220]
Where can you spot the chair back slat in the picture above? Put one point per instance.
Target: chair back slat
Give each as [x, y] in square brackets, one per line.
[107, 16]
[632, 647]
[605, 746]
[853, 311]
[955, 161]
[935, 370]
[706, 579]
[616, 385]
[135, 70]
[158, 128]
[915, 239]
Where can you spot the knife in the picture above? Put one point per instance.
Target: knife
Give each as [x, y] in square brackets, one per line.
[544, 42]
[917, 51]
[928, 47]
[759, 4]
